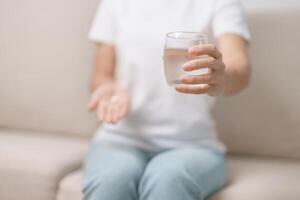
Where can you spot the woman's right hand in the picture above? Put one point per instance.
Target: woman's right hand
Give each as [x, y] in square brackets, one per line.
[110, 102]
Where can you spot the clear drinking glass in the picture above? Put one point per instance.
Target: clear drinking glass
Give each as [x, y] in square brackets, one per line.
[176, 54]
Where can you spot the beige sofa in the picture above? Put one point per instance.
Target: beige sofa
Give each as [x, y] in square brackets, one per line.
[45, 62]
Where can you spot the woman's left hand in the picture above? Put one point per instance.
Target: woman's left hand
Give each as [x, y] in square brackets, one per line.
[211, 83]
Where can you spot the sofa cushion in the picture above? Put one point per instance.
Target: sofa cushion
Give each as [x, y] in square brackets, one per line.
[45, 65]
[250, 178]
[261, 179]
[31, 165]
[70, 188]
[46, 60]
[265, 118]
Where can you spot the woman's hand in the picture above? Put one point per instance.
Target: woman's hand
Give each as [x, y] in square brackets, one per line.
[211, 83]
[110, 101]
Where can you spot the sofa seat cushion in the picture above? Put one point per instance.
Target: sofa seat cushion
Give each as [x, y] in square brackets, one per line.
[70, 188]
[31, 164]
[261, 179]
[250, 178]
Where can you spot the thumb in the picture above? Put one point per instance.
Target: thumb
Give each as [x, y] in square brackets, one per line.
[92, 105]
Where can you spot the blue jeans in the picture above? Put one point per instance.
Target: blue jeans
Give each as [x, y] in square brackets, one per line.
[119, 172]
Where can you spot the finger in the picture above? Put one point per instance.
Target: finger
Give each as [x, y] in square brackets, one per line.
[199, 79]
[199, 64]
[194, 89]
[123, 110]
[102, 109]
[207, 49]
[114, 104]
[111, 114]
[108, 114]
[92, 105]
[115, 118]
[99, 112]
[114, 114]
[96, 96]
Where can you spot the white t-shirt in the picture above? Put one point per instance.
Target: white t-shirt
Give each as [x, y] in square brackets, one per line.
[160, 117]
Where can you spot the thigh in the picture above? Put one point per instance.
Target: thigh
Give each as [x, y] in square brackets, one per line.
[203, 167]
[105, 159]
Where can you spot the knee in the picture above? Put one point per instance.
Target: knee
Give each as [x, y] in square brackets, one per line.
[90, 187]
[106, 183]
[164, 176]
[170, 181]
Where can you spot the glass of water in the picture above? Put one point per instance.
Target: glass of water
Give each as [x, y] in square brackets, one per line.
[176, 54]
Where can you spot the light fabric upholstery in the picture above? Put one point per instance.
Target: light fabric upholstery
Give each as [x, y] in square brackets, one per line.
[261, 178]
[45, 62]
[251, 178]
[32, 164]
[70, 188]
[265, 119]
[45, 65]
[271, 5]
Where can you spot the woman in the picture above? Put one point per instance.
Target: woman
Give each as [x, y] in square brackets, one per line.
[159, 142]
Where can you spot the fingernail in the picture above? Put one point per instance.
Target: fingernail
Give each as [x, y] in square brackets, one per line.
[194, 48]
[185, 67]
[191, 50]
[182, 79]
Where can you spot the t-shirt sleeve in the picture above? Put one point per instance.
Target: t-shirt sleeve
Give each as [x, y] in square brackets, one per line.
[103, 28]
[229, 17]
